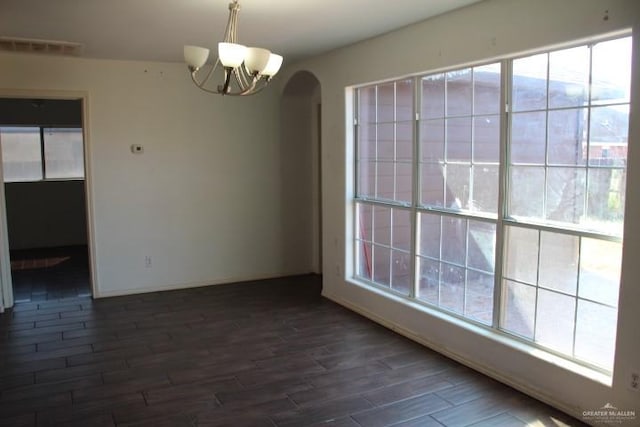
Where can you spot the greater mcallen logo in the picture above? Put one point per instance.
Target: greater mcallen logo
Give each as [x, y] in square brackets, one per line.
[609, 414]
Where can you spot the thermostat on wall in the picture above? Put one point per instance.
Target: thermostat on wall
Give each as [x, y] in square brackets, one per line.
[137, 149]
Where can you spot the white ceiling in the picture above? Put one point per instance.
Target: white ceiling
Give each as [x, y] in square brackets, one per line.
[157, 29]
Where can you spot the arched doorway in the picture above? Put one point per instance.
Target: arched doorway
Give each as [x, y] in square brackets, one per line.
[301, 165]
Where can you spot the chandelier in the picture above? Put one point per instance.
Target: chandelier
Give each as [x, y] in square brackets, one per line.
[247, 70]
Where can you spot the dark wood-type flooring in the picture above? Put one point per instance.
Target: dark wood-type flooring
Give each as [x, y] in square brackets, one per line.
[267, 353]
[50, 273]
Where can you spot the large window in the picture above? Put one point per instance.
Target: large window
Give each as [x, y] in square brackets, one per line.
[496, 193]
[37, 153]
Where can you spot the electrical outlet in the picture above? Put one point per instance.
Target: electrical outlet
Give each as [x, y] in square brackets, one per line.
[147, 261]
[634, 381]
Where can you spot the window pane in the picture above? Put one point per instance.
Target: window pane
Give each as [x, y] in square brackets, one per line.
[459, 244]
[386, 103]
[567, 144]
[486, 89]
[429, 280]
[600, 263]
[482, 245]
[609, 136]
[364, 259]
[404, 100]
[555, 315]
[611, 83]
[518, 314]
[459, 139]
[452, 288]
[402, 229]
[458, 189]
[382, 225]
[559, 262]
[479, 299]
[429, 235]
[366, 178]
[485, 189]
[565, 194]
[381, 265]
[404, 141]
[433, 96]
[401, 272]
[385, 176]
[367, 104]
[526, 191]
[432, 140]
[403, 187]
[432, 177]
[459, 93]
[367, 136]
[365, 221]
[486, 139]
[530, 83]
[385, 147]
[21, 155]
[521, 254]
[454, 241]
[528, 135]
[596, 333]
[64, 153]
[569, 77]
[606, 200]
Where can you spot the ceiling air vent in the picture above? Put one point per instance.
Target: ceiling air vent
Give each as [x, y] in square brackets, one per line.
[48, 47]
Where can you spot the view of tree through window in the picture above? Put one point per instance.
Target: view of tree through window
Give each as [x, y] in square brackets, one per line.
[429, 160]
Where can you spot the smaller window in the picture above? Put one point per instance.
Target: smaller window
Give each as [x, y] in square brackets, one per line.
[35, 153]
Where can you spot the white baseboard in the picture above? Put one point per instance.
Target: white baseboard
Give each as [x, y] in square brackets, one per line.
[178, 286]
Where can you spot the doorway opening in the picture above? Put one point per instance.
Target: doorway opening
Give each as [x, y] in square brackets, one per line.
[43, 170]
[301, 172]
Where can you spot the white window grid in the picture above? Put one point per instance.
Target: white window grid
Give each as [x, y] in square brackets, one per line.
[501, 220]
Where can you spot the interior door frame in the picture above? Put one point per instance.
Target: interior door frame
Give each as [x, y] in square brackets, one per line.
[5, 258]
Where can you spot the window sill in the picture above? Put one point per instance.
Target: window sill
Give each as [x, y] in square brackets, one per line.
[490, 334]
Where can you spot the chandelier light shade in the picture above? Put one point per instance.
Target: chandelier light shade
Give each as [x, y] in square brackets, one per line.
[247, 70]
[195, 56]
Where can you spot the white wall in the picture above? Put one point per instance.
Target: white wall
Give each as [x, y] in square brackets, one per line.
[489, 29]
[204, 200]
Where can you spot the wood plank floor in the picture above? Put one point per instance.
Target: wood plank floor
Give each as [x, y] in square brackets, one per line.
[268, 353]
[50, 273]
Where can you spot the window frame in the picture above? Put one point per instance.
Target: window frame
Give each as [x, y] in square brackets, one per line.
[502, 218]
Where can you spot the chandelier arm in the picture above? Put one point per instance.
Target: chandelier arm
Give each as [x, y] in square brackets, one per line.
[242, 90]
[193, 78]
[250, 91]
[257, 85]
[202, 83]
[242, 77]
[210, 73]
